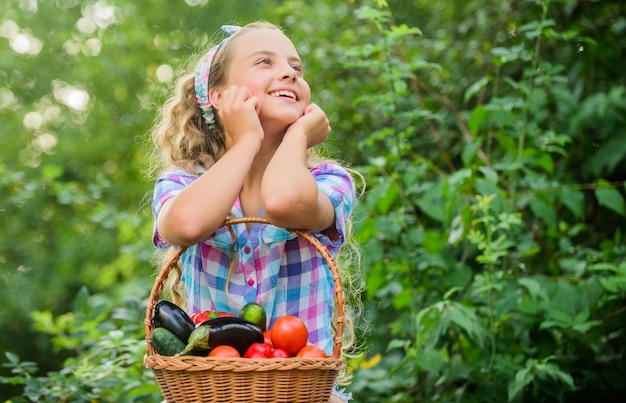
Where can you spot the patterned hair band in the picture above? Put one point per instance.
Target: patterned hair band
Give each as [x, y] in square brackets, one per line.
[201, 77]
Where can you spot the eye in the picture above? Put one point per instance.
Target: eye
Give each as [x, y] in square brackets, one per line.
[298, 68]
[265, 61]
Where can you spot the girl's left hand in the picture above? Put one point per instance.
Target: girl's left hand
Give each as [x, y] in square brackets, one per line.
[313, 124]
[239, 115]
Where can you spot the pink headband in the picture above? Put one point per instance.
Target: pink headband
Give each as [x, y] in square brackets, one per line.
[201, 77]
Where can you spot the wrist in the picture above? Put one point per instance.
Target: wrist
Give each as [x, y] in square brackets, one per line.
[248, 143]
[296, 137]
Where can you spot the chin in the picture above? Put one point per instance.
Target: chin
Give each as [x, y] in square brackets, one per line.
[286, 119]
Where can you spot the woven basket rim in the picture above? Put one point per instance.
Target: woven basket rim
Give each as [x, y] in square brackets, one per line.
[240, 364]
[193, 363]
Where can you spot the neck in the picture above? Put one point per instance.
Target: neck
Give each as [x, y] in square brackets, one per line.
[270, 144]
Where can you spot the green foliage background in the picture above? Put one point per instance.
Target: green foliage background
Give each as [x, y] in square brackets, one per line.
[491, 136]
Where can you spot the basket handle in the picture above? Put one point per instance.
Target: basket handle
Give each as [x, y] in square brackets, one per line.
[157, 289]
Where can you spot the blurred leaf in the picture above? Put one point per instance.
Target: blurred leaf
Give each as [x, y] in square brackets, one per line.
[574, 200]
[430, 360]
[478, 111]
[611, 198]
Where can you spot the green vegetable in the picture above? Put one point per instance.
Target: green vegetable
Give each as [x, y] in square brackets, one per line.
[166, 342]
[254, 313]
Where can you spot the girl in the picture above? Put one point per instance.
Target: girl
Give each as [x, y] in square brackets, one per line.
[236, 140]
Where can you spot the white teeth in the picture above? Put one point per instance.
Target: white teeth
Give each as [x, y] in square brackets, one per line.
[284, 94]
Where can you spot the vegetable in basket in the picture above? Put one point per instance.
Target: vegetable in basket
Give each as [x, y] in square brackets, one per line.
[166, 342]
[173, 318]
[200, 317]
[225, 330]
[265, 350]
[253, 312]
[290, 334]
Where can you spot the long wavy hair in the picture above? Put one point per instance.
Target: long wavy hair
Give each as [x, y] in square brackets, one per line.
[183, 140]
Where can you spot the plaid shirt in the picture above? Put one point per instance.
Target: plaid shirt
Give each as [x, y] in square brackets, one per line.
[275, 268]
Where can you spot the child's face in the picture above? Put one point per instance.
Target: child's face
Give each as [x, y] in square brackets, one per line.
[267, 64]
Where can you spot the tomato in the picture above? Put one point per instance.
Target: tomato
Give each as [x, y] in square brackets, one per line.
[224, 351]
[290, 334]
[311, 351]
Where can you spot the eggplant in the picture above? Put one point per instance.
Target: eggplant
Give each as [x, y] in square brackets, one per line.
[225, 330]
[173, 318]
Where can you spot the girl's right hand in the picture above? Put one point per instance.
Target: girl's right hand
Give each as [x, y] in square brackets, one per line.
[238, 113]
[313, 124]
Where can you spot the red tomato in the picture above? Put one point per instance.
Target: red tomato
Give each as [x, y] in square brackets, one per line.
[311, 351]
[224, 351]
[290, 334]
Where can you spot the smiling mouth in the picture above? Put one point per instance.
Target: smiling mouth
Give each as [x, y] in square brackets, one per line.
[284, 94]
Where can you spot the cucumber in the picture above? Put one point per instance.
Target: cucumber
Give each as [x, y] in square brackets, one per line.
[166, 342]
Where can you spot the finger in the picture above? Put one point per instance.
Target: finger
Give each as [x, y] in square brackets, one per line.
[310, 108]
[243, 93]
[254, 102]
[236, 94]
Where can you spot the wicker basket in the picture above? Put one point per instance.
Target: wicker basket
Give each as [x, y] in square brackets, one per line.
[230, 380]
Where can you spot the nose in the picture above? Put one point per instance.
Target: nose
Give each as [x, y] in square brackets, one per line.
[288, 73]
[290, 76]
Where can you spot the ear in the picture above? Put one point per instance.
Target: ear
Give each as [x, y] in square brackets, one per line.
[215, 96]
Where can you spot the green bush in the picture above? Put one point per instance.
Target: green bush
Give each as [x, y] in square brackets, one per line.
[107, 364]
[493, 225]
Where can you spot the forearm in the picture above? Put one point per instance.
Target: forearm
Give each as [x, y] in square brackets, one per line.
[199, 209]
[290, 195]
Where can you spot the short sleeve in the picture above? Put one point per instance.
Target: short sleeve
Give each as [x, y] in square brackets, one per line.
[337, 183]
[166, 187]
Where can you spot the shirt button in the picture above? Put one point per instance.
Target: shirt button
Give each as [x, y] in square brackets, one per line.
[250, 282]
[246, 249]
